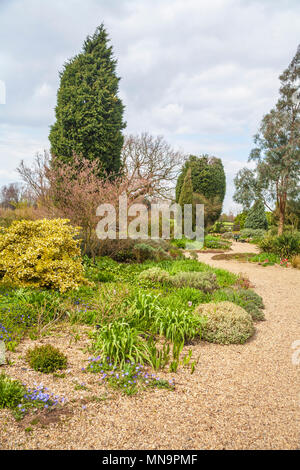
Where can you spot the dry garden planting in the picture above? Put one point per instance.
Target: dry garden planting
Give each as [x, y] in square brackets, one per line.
[104, 332]
[133, 337]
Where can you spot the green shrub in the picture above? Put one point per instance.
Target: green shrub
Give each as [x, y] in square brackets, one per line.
[266, 259]
[266, 245]
[285, 245]
[143, 252]
[164, 245]
[46, 359]
[226, 323]
[123, 256]
[240, 219]
[180, 243]
[256, 234]
[176, 253]
[227, 235]
[218, 227]
[155, 275]
[245, 298]
[11, 392]
[205, 281]
[216, 243]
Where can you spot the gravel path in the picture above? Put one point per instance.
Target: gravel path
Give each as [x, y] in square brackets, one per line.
[239, 397]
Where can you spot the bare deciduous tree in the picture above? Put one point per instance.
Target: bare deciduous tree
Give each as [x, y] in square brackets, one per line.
[152, 159]
[74, 190]
[10, 195]
[35, 177]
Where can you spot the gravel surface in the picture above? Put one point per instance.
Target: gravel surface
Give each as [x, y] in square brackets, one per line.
[239, 397]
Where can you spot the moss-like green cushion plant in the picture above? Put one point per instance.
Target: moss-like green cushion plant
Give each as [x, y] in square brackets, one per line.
[226, 323]
[46, 359]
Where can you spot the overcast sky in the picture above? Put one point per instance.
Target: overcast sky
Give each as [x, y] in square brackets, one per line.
[202, 73]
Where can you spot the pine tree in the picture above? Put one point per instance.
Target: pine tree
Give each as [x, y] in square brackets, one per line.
[89, 113]
[256, 217]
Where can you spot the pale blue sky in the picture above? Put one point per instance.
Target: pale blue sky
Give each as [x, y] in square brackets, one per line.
[200, 73]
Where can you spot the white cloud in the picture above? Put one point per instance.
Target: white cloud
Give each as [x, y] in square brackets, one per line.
[202, 73]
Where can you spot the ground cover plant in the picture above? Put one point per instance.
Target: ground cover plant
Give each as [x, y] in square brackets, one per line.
[211, 242]
[130, 379]
[139, 314]
[20, 399]
[263, 259]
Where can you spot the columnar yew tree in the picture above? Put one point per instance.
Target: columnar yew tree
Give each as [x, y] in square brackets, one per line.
[277, 153]
[186, 194]
[208, 184]
[89, 113]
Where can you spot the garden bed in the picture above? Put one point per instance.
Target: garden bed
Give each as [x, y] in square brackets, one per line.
[263, 259]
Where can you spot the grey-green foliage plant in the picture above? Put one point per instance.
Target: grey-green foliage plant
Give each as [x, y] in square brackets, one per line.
[226, 323]
[154, 275]
[144, 251]
[256, 233]
[89, 112]
[205, 281]
[245, 298]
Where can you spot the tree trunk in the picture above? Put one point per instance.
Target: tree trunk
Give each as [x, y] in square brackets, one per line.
[282, 208]
[281, 223]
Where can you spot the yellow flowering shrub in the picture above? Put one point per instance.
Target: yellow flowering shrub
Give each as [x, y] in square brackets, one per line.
[41, 253]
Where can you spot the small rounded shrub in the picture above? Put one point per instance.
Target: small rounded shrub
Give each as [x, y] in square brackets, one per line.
[46, 359]
[266, 245]
[154, 275]
[254, 233]
[245, 298]
[11, 392]
[143, 252]
[227, 235]
[179, 242]
[205, 281]
[151, 250]
[226, 323]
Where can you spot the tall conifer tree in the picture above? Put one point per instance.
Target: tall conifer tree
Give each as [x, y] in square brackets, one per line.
[89, 113]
